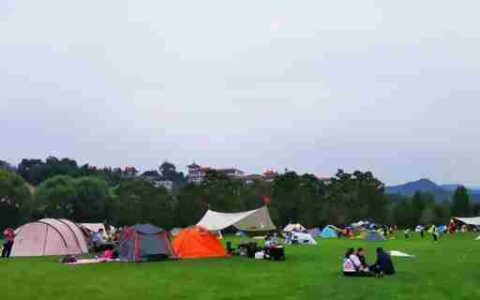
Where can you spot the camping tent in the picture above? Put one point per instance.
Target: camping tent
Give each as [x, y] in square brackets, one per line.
[144, 242]
[374, 236]
[470, 221]
[315, 232]
[442, 229]
[49, 237]
[95, 227]
[253, 220]
[301, 238]
[328, 232]
[294, 227]
[198, 242]
[419, 228]
[241, 234]
[360, 224]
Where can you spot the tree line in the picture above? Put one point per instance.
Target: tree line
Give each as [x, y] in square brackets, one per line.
[59, 188]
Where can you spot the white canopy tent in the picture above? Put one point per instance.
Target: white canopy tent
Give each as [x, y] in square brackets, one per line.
[470, 221]
[294, 227]
[253, 220]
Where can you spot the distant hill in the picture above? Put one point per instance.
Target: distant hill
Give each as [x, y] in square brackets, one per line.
[441, 192]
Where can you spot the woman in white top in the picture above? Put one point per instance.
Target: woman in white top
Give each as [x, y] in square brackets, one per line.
[352, 266]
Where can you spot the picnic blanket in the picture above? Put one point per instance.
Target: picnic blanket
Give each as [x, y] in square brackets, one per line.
[400, 254]
[92, 261]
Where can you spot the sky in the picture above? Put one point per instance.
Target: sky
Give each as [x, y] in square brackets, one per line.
[312, 86]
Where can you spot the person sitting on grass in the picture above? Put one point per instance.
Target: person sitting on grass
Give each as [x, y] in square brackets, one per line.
[361, 254]
[352, 266]
[383, 265]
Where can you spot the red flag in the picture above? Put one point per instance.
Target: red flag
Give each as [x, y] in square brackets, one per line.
[266, 200]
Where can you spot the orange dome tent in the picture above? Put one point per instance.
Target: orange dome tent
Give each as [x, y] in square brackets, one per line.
[197, 242]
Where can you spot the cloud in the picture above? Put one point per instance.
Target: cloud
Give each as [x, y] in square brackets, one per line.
[371, 85]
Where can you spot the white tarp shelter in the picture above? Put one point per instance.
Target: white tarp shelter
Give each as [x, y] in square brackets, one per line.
[301, 238]
[470, 221]
[294, 227]
[253, 220]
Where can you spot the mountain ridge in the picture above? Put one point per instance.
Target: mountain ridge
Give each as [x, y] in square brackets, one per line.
[442, 192]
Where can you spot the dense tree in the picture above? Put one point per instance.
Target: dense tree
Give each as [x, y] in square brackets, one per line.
[356, 196]
[138, 201]
[461, 202]
[55, 197]
[402, 214]
[168, 171]
[190, 205]
[89, 194]
[91, 200]
[31, 170]
[6, 166]
[441, 213]
[15, 199]
[420, 203]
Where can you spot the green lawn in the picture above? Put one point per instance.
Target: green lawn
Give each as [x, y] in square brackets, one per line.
[447, 270]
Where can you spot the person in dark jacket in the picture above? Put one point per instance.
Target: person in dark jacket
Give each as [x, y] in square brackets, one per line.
[384, 264]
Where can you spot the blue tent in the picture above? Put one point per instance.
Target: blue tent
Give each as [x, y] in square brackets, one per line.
[328, 232]
[374, 236]
[442, 229]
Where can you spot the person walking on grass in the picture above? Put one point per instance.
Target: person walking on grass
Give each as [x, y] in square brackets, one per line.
[9, 236]
[435, 233]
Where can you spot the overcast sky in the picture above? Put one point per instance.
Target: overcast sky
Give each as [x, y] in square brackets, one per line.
[387, 86]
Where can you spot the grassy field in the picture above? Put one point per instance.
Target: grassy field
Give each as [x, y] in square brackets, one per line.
[447, 270]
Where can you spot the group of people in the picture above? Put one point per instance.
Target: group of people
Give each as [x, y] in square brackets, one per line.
[421, 229]
[355, 264]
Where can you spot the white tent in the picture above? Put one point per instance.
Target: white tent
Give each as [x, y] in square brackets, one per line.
[301, 238]
[95, 227]
[419, 228]
[253, 220]
[294, 227]
[470, 221]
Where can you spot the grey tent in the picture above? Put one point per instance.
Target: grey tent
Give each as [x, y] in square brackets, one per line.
[374, 236]
[315, 232]
[144, 242]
